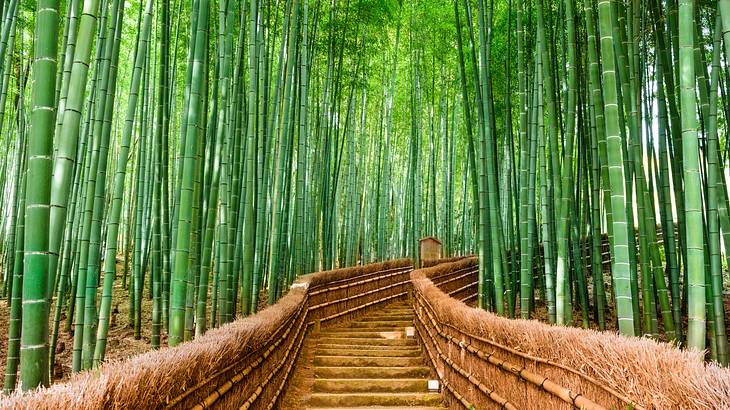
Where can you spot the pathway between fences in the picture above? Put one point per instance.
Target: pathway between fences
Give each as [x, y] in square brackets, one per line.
[371, 361]
[387, 336]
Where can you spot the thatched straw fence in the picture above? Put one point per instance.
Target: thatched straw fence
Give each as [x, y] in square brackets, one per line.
[488, 361]
[483, 360]
[244, 364]
[427, 263]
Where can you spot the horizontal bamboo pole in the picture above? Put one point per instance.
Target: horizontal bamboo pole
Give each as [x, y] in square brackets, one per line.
[468, 269]
[361, 307]
[330, 286]
[455, 278]
[461, 289]
[359, 295]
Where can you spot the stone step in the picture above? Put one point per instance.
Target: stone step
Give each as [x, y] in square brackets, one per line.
[386, 318]
[375, 399]
[371, 385]
[364, 361]
[369, 363]
[371, 372]
[395, 306]
[393, 324]
[369, 341]
[411, 352]
[349, 329]
[394, 311]
[365, 332]
[347, 344]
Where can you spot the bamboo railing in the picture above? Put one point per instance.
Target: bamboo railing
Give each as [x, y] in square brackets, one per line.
[482, 360]
[478, 372]
[486, 361]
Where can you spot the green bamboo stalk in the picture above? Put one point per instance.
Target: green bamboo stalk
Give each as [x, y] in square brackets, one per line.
[15, 290]
[562, 291]
[713, 183]
[36, 278]
[249, 235]
[621, 265]
[692, 178]
[69, 134]
[179, 285]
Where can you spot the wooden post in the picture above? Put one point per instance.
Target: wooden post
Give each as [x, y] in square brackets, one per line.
[430, 248]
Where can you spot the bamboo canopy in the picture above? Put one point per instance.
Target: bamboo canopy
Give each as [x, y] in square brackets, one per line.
[168, 167]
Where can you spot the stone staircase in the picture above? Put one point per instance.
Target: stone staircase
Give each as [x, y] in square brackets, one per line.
[370, 363]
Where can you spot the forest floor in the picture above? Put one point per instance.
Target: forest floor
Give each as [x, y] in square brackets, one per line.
[120, 340]
[121, 343]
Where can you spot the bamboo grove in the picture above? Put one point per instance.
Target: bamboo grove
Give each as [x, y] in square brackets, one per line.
[191, 158]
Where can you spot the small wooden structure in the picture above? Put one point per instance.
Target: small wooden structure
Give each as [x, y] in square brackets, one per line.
[430, 248]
